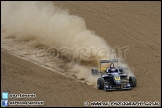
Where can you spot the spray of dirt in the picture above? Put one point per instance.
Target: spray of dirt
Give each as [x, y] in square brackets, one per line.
[44, 24]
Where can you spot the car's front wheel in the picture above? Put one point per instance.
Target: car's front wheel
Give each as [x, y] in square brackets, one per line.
[132, 81]
[100, 83]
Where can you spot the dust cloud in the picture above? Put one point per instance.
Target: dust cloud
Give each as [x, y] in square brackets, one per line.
[38, 24]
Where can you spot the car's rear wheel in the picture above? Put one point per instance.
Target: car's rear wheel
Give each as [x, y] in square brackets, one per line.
[120, 69]
[100, 83]
[132, 81]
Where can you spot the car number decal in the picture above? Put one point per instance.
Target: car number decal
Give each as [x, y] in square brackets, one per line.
[117, 78]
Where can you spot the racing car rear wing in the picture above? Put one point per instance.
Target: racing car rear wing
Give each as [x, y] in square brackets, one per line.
[109, 61]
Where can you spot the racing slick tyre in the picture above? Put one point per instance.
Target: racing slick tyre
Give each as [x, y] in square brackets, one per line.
[120, 69]
[132, 81]
[100, 83]
[94, 71]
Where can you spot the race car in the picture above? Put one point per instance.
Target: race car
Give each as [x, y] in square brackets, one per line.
[113, 78]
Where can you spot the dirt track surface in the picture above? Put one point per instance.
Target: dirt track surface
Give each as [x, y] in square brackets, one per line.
[133, 24]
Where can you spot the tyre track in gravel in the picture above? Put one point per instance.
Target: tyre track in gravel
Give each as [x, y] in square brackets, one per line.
[119, 23]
